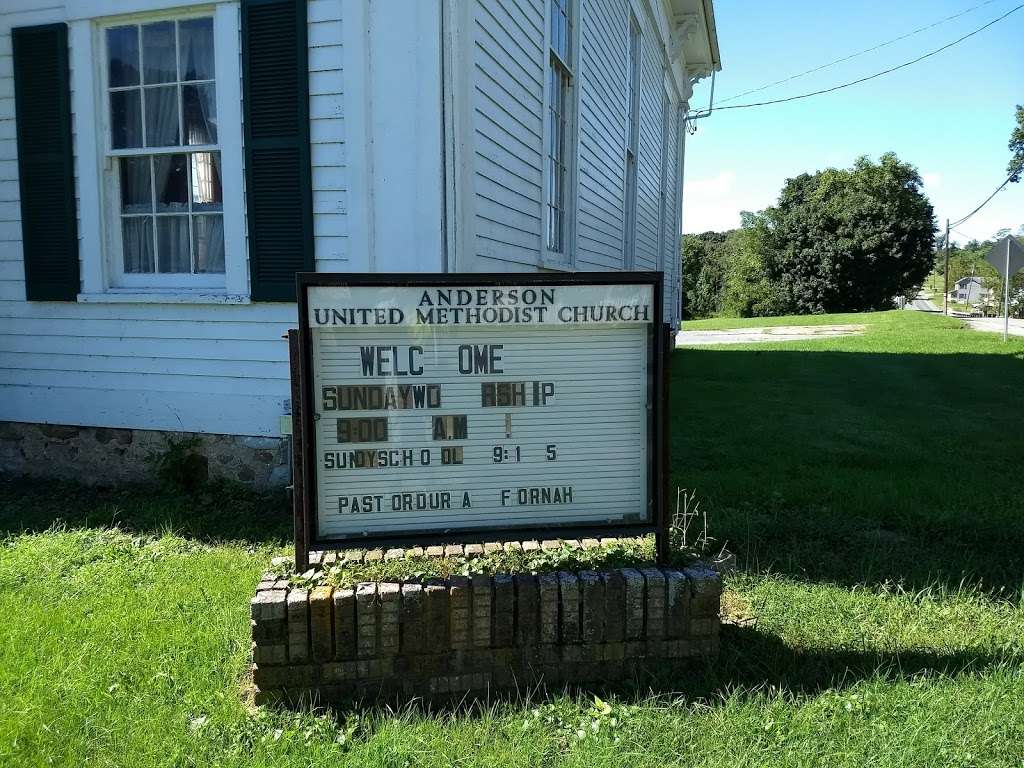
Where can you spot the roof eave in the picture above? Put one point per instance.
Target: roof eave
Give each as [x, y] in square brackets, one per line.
[696, 36]
[712, 31]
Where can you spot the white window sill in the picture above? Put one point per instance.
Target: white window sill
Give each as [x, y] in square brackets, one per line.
[560, 264]
[181, 296]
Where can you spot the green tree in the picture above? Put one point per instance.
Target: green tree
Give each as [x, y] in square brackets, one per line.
[724, 273]
[1016, 145]
[848, 240]
[747, 290]
[703, 274]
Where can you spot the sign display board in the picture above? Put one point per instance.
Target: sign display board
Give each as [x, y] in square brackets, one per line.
[1007, 256]
[443, 406]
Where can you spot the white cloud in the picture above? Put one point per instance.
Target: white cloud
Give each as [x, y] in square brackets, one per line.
[717, 187]
[714, 203]
[931, 180]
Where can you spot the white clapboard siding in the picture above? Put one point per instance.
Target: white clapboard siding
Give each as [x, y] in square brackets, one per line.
[507, 132]
[327, 136]
[649, 157]
[604, 30]
[195, 411]
[117, 328]
[192, 367]
[508, 61]
[12, 270]
[131, 347]
[680, 166]
[222, 368]
[263, 373]
[165, 382]
[674, 204]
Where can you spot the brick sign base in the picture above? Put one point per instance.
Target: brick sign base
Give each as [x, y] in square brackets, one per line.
[449, 637]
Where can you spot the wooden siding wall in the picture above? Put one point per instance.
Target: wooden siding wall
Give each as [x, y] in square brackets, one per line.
[507, 142]
[187, 367]
[671, 261]
[649, 158]
[327, 136]
[507, 134]
[222, 368]
[604, 32]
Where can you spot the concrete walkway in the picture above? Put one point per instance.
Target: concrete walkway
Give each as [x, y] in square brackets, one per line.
[995, 325]
[767, 334]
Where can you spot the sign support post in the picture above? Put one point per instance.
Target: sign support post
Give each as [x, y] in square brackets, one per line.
[663, 533]
[298, 454]
[945, 277]
[1006, 295]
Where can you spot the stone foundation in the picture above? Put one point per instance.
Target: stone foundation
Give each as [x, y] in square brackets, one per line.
[470, 635]
[105, 456]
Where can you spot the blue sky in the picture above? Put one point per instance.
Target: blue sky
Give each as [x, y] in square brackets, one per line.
[950, 115]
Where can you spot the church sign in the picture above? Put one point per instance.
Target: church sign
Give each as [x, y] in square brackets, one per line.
[469, 407]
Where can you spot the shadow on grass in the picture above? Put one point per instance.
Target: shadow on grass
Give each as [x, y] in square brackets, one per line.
[754, 659]
[856, 467]
[751, 661]
[219, 512]
[855, 551]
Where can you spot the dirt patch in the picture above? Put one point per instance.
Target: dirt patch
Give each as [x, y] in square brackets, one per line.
[736, 610]
[767, 334]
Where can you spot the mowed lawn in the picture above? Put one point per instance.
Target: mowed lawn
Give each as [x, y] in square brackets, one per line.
[871, 487]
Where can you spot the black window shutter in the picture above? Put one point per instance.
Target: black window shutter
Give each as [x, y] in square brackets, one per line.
[46, 168]
[279, 196]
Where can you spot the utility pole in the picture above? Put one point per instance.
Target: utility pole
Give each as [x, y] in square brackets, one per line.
[945, 293]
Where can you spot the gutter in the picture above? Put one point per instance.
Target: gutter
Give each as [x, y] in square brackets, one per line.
[712, 32]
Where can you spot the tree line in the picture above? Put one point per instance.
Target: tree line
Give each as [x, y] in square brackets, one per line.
[838, 240]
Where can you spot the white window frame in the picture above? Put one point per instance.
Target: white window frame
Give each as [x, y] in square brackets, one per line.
[99, 191]
[564, 259]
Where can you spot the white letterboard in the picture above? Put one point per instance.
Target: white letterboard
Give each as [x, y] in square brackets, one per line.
[450, 408]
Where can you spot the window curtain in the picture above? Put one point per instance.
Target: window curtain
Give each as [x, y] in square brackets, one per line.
[208, 233]
[162, 116]
[200, 114]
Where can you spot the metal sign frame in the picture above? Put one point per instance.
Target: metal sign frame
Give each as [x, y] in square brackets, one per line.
[305, 465]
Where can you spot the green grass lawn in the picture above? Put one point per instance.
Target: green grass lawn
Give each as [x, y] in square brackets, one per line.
[934, 286]
[870, 485]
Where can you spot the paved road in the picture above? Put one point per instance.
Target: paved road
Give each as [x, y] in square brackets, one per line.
[988, 324]
[995, 325]
[923, 304]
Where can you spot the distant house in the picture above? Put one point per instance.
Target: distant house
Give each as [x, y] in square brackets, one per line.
[970, 290]
[167, 166]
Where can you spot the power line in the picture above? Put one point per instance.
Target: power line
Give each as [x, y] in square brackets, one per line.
[859, 53]
[876, 74]
[958, 222]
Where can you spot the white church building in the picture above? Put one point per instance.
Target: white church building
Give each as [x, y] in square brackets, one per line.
[167, 166]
